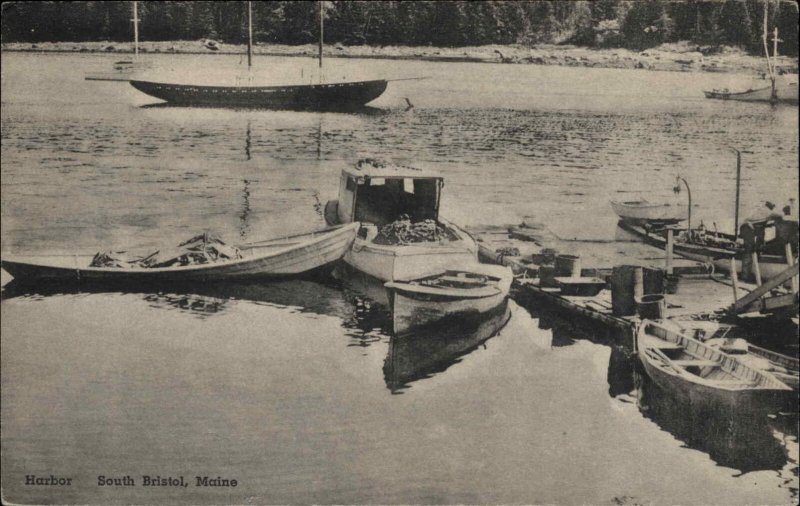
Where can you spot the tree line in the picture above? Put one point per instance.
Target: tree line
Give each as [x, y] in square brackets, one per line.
[603, 23]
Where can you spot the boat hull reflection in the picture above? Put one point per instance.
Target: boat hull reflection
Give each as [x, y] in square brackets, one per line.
[434, 348]
[743, 439]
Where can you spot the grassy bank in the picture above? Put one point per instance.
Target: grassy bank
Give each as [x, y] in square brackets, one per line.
[679, 57]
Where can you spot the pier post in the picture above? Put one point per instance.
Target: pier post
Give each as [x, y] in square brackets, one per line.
[734, 280]
[669, 250]
[790, 262]
[638, 284]
[756, 269]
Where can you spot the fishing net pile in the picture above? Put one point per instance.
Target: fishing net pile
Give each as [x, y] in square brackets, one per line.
[200, 249]
[403, 231]
[702, 238]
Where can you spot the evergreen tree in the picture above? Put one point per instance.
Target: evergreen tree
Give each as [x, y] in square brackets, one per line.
[583, 21]
[643, 23]
[647, 24]
[736, 24]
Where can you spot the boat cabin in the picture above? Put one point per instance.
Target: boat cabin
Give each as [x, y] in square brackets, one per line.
[379, 192]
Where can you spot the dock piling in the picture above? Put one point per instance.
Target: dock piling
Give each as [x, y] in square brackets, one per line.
[638, 283]
[756, 269]
[669, 250]
[790, 262]
[734, 280]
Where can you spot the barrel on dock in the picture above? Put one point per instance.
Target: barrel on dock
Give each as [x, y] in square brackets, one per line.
[568, 266]
[630, 284]
[652, 307]
[623, 289]
[654, 280]
[547, 276]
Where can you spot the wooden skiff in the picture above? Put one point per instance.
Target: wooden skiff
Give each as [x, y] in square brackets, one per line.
[639, 211]
[687, 367]
[281, 257]
[472, 291]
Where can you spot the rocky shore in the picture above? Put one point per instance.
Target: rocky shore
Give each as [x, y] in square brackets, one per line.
[678, 57]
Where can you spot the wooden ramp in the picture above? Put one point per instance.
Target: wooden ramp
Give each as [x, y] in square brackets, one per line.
[762, 300]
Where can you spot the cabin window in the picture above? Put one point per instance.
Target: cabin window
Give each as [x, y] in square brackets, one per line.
[351, 185]
[408, 185]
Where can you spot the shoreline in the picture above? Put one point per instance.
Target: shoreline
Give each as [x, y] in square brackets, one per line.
[675, 57]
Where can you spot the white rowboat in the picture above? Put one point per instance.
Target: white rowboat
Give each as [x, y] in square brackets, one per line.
[273, 258]
[687, 367]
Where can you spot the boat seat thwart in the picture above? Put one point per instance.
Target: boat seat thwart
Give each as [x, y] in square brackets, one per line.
[668, 346]
[696, 363]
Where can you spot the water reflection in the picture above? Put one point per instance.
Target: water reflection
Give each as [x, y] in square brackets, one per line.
[422, 354]
[368, 322]
[331, 108]
[319, 295]
[762, 438]
[744, 440]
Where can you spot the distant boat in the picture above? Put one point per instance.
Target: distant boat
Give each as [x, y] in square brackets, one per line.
[787, 93]
[273, 258]
[123, 70]
[304, 96]
[323, 96]
[715, 248]
[685, 366]
[640, 211]
[776, 92]
[454, 293]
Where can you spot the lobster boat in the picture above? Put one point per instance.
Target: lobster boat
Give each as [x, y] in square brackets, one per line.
[401, 235]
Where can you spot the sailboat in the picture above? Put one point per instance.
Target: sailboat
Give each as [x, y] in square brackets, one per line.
[339, 95]
[777, 92]
[124, 69]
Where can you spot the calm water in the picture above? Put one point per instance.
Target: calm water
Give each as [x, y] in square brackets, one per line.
[296, 389]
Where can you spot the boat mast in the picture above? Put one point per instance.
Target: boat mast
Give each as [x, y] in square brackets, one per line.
[249, 35]
[321, 17]
[135, 30]
[766, 49]
[738, 186]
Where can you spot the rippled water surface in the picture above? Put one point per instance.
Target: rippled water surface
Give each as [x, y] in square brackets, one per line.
[297, 389]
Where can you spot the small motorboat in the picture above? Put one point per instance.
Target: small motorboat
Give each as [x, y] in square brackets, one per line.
[642, 211]
[273, 258]
[701, 373]
[459, 293]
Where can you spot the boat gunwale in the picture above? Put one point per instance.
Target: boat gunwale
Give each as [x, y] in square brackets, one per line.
[680, 372]
[204, 87]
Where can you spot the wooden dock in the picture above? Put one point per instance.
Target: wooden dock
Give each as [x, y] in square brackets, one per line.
[698, 293]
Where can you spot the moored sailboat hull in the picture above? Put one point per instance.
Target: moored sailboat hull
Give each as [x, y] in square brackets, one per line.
[308, 96]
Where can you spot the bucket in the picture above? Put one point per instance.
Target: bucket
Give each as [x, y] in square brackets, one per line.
[652, 307]
[547, 276]
[568, 266]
